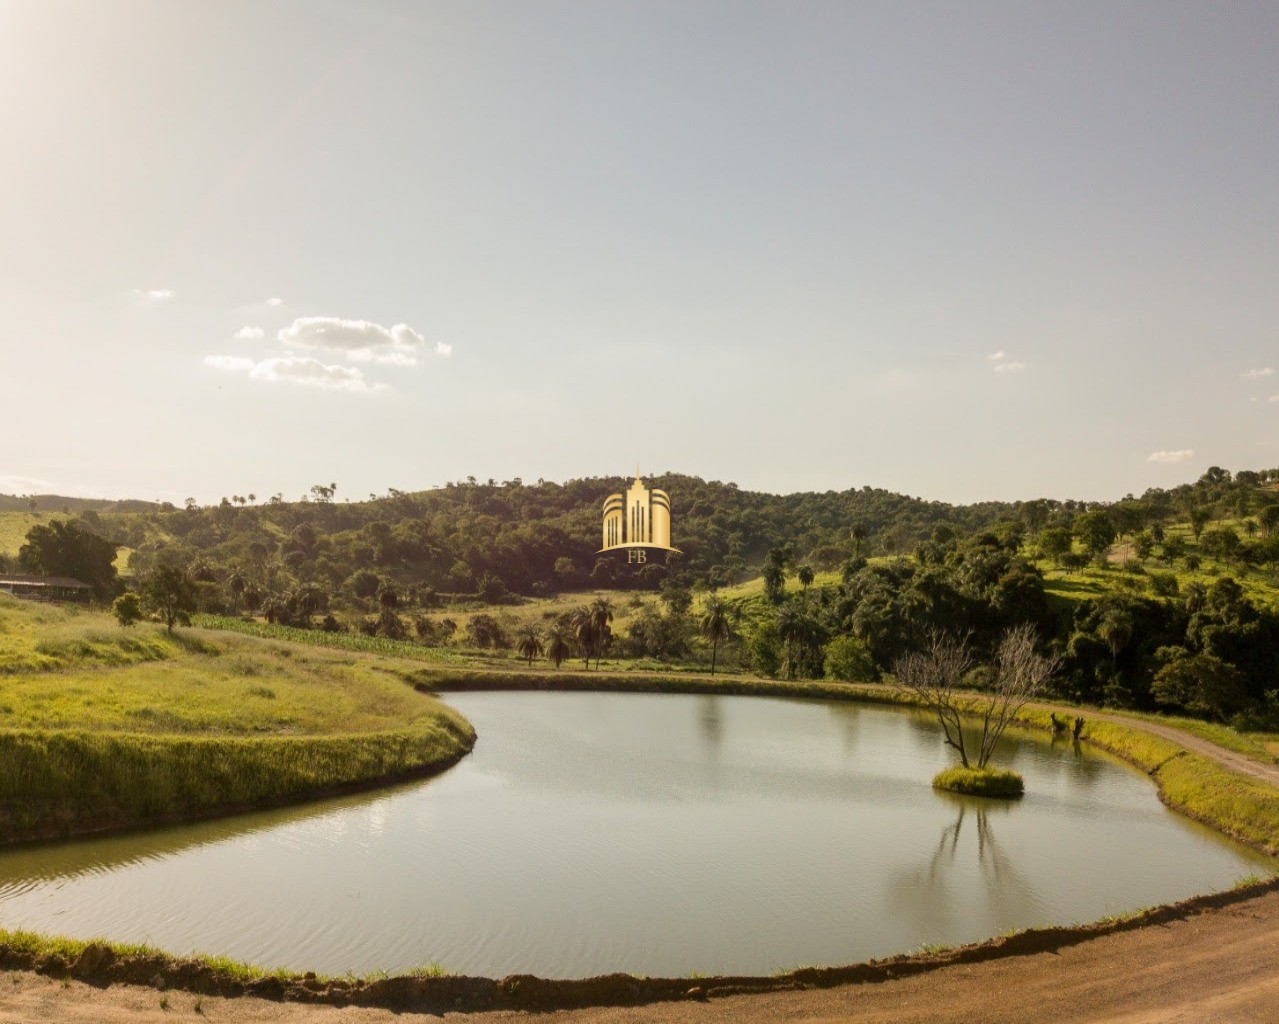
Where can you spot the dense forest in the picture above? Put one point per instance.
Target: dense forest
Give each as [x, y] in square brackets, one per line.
[1175, 619]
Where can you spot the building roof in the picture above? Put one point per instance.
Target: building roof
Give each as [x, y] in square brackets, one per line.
[9, 579]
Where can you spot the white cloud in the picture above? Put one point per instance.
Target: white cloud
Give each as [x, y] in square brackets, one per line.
[17, 484]
[232, 364]
[360, 341]
[1273, 398]
[442, 349]
[250, 334]
[11, 484]
[297, 370]
[154, 294]
[1264, 371]
[996, 356]
[1180, 455]
[1010, 367]
[313, 373]
[274, 302]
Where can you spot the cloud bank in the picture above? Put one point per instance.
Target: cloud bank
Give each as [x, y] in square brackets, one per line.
[1264, 371]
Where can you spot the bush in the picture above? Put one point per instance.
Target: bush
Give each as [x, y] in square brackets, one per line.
[492, 590]
[127, 608]
[390, 626]
[848, 659]
[485, 631]
[993, 782]
[764, 648]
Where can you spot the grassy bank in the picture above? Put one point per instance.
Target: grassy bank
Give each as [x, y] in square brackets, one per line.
[106, 728]
[55, 784]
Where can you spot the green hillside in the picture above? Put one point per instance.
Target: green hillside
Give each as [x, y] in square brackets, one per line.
[1167, 601]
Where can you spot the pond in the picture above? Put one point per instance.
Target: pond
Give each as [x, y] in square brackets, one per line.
[655, 834]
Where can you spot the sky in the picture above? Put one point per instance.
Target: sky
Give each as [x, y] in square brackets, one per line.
[961, 251]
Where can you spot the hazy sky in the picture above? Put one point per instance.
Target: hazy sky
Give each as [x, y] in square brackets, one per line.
[960, 250]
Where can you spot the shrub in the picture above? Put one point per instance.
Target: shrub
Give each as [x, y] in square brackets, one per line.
[390, 626]
[492, 590]
[127, 608]
[485, 631]
[848, 659]
[764, 648]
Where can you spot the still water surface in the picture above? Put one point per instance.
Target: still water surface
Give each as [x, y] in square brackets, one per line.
[654, 834]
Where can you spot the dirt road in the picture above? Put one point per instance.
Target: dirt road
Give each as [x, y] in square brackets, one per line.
[1236, 762]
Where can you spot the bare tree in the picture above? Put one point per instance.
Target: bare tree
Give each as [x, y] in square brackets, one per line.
[933, 676]
[1021, 674]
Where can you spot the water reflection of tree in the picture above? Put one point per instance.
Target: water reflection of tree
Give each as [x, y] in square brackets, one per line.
[849, 716]
[1084, 767]
[926, 891]
[710, 719]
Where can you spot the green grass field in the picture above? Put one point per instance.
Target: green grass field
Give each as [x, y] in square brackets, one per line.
[102, 726]
[14, 527]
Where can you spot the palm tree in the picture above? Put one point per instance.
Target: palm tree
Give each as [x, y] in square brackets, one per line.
[529, 644]
[584, 628]
[559, 642]
[252, 598]
[601, 615]
[714, 624]
[236, 584]
[805, 575]
[308, 599]
[858, 535]
[200, 571]
[795, 628]
[276, 609]
[1115, 629]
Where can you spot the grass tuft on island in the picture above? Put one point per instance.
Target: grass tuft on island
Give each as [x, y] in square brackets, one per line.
[992, 782]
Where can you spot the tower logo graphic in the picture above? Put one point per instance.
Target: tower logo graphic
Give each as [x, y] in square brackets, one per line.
[637, 521]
